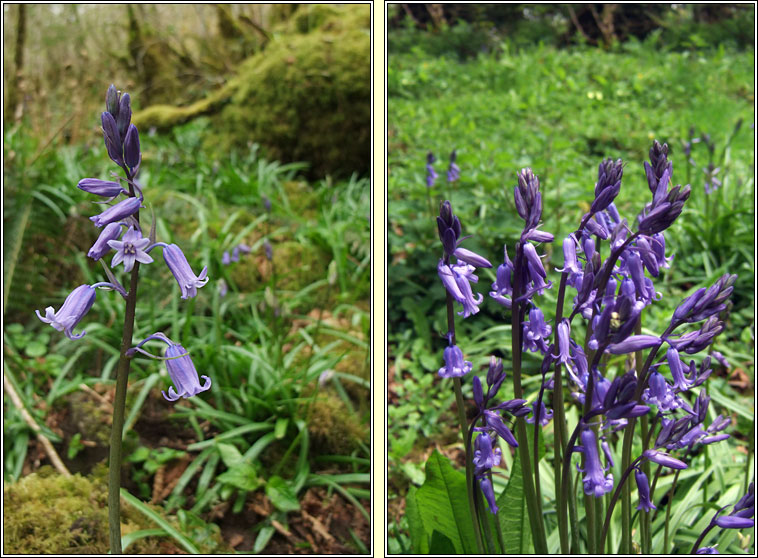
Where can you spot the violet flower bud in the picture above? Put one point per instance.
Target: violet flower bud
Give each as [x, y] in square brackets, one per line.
[734, 522]
[183, 374]
[471, 258]
[225, 258]
[455, 366]
[118, 212]
[132, 154]
[102, 188]
[124, 117]
[476, 385]
[494, 421]
[112, 138]
[643, 488]
[111, 100]
[180, 268]
[634, 343]
[110, 232]
[608, 184]
[664, 459]
[76, 305]
[489, 494]
[707, 550]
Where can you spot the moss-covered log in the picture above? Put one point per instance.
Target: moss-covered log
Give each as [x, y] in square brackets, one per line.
[306, 97]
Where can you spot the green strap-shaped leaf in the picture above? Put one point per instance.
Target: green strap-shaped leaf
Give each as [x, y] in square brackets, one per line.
[419, 538]
[514, 520]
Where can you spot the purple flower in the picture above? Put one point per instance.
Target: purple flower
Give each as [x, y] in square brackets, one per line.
[546, 415]
[707, 550]
[502, 287]
[664, 459]
[112, 138]
[183, 373]
[489, 494]
[608, 184]
[121, 210]
[471, 258]
[536, 331]
[734, 522]
[102, 188]
[455, 366]
[76, 305]
[494, 421]
[225, 259]
[484, 456]
[267, 248]
[643, 488]
[596, 482]
[132, 154]
[431, 175]
[129, 249]
[101, 247]
[177, 263]
[453, 171]
[464, 276]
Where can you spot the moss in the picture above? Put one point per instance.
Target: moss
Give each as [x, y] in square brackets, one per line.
[334, 429]
[301, 262]
[46, 513]
[306, 97]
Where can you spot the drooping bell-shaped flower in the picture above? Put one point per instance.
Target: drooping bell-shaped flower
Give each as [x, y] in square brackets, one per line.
[484, 456]
[104, 188]
[489, 494]
[179, 266]
[121, 210]
[101, 247]
[76, 305]
[183, 373]
[455, 366]
[643, 488]
[596, 482]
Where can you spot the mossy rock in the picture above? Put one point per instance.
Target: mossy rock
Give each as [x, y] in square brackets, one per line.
[333, 428]
[47, 513]
[306, 97]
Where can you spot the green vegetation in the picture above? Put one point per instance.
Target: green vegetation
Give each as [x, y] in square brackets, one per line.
[286, 347]
[560, 111]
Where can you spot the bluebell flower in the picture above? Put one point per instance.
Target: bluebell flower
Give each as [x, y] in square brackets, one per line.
[463, 274]
[707, 550]
[132, 155]
[180, 268]
[595, 481]
[662, 458]
[546, 415]
[113, 142]
[103, 188]
[182, 372]
[118, 212]
[455, 366]
[76, 305]
[101, 247]
[130, 249]
[225, 258]
[608, 184]
[643, 489]
[431, 175]
[536, 331]
[180, 368]
[484, 456]
[453, 171]
[502, 287]
[489, 494]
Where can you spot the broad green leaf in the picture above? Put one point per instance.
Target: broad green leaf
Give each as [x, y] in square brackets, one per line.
[443, 504]
[282, 495]
[229, 454]
[242, 475]
[419, 538]
[441, 544]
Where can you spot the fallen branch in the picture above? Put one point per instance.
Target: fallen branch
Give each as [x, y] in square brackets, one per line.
[49, 449]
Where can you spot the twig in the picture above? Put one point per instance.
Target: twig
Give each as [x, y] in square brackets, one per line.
[49, 449]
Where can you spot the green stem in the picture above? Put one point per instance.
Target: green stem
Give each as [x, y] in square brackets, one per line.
[119, 406]
[615, 498]
[535, 519]
[559, 422]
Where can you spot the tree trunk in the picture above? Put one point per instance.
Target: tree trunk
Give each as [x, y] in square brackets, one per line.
[15, 85]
